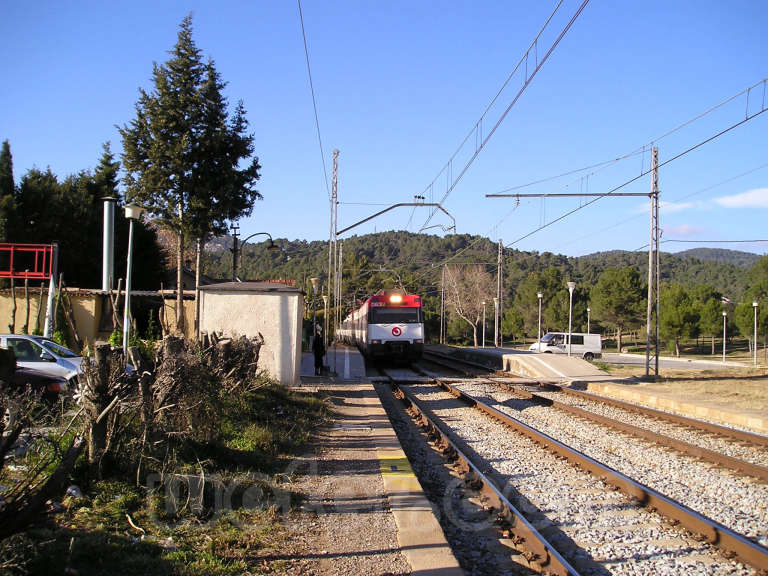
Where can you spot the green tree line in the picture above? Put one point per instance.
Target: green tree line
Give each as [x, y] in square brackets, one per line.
[612, 284]
[44, 209]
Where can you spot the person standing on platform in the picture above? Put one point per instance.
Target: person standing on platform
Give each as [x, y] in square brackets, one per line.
[318, 349]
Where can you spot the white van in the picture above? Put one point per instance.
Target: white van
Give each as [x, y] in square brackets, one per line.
[588, 346]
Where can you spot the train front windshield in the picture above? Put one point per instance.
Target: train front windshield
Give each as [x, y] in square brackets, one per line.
[395, 316]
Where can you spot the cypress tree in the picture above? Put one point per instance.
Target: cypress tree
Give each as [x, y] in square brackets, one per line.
[7, 189]
[182, 151]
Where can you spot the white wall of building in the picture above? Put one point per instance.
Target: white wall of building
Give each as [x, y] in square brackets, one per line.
[249, 309]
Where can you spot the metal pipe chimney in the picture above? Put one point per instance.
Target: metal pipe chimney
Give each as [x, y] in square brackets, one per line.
[108, 254]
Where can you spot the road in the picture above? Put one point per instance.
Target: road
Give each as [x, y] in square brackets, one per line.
[668, 363]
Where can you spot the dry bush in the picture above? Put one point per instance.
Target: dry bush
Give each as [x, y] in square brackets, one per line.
[33, 465]
[234, 362]
[184, 392]
[109, 401]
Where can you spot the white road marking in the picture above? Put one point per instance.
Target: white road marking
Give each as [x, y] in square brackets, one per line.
[346, 363]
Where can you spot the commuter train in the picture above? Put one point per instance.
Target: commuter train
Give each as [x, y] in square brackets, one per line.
[389, 325]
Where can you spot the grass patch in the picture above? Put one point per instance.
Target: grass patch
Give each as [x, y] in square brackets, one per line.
[228, 532]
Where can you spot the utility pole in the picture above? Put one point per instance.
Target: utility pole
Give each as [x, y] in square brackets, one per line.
[652, 313]
[235, 232]
[653, 251]
[499, 283]
[332, 260]
[442, 308]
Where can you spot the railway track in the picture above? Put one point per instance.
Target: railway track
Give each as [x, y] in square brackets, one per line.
[531, 491]
[729, 448]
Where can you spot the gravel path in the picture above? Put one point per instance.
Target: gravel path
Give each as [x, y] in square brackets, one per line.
[597, 528]
[736, 501]
[344, 526]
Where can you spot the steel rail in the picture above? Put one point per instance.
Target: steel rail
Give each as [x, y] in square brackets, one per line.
[537, 550]
[722, 460]
[713, 532]
[740, 435]
[449, 361]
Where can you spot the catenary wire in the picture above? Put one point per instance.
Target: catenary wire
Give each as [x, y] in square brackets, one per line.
[684, 197]
[563, 216]
[314, 102]
[640, 150]
[626, 183]
[478, 125]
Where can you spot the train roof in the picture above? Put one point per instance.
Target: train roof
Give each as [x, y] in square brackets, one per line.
[389, 298]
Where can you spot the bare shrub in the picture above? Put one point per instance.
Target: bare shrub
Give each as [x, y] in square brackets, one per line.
[234, 362]
[108, 395]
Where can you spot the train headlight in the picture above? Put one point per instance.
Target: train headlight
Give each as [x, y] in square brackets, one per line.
[395, 299]
[375, 341]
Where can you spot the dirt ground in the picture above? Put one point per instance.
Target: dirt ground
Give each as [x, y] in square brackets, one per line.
[737, 389]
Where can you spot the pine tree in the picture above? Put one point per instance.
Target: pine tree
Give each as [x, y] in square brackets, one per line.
[182, 151]
[105, 177]
[617, 300]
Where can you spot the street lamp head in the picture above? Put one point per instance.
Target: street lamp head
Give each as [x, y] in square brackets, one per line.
[495, 301]
[483, 302]
[725, 313]
[540, 295]
[133, 211]
[325, 298]
[589, 309]
[755, 304]
[272, 246]
[315, 283]
[571, 286]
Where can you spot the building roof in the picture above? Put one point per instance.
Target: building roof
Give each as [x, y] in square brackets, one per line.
[249, 287]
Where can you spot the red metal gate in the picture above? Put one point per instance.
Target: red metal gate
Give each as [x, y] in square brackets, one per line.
[32, 261]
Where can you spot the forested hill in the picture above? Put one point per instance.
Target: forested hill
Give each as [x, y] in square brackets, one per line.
[721, 256]
[417, 259]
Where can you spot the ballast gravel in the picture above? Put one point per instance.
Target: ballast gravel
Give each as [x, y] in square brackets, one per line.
[734, 500]
[730, 447]
[597, 528]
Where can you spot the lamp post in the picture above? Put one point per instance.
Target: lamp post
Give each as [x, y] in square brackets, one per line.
[725, 319]
[237, 250]
[496, 322]
[754, 344]
[483, 323]
[588, 311]
[571, 286]
[315, 282]
[133, 213]
[538, 342]
[325, 320]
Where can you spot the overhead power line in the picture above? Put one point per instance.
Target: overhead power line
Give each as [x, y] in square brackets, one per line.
[645, 173]
[684, 197]
[645, 147]
[747, 118]
[477, 129]
[681, 241]
[314, 102]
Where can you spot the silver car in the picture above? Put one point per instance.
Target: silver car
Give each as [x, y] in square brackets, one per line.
[44, 355]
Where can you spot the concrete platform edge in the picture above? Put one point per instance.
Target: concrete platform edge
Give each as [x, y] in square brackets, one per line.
[419, 533]
[757, 424]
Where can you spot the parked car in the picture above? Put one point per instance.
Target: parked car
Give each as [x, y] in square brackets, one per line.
[43, 355]
[47, 386]
[44, 386]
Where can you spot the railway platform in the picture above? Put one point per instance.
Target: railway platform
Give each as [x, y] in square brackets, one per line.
[371, 481]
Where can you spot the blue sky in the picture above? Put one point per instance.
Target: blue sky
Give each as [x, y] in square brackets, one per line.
[399, 85]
